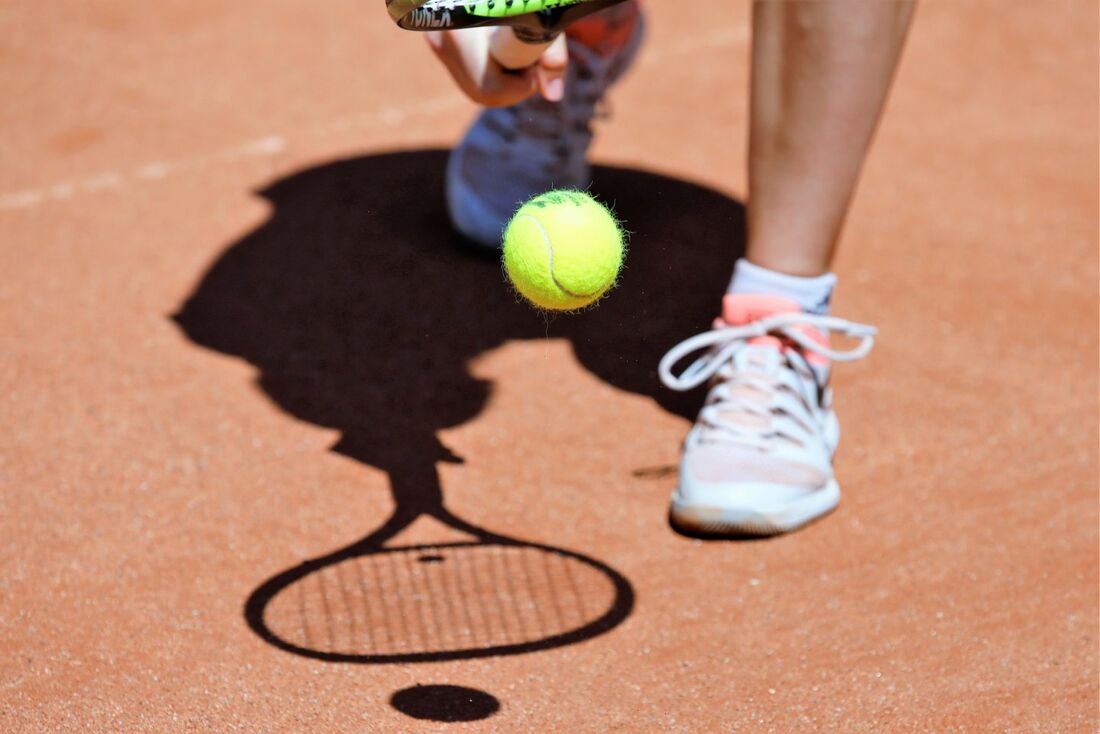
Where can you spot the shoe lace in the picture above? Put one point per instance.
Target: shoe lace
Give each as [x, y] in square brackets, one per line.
[761, 393]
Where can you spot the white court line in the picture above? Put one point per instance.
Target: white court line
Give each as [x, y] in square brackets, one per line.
[275, 143]
[263, 147]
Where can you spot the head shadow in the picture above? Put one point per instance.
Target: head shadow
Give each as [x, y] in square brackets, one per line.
[361, 309]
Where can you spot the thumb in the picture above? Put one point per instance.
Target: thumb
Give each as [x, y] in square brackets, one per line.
[551, 69]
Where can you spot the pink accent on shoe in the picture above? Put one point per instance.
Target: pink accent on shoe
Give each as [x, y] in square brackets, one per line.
[744, 308]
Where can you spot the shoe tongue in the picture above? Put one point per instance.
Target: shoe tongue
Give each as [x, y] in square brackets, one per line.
[744, 308]
[739, 309]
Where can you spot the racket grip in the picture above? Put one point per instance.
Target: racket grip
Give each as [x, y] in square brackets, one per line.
[512, 53]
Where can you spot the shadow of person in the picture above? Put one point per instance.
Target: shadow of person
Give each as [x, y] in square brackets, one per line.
[361, 311]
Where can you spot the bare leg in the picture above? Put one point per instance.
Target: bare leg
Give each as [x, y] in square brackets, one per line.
[821, 70]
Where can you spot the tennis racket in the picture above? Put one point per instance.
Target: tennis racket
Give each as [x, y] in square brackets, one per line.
[529, 26]
[483, 595]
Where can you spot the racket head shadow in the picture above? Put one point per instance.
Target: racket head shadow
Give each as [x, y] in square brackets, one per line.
[490, 597]
[535, 21]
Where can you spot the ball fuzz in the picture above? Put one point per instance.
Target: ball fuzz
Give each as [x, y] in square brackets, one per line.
[563, 250]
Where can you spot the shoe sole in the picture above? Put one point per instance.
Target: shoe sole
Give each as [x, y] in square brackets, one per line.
[753, 521]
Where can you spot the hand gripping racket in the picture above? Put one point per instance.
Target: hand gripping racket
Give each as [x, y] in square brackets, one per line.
[379, 602]
[534, 23]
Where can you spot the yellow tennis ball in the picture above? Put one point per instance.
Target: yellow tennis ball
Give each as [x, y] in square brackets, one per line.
[563, 250]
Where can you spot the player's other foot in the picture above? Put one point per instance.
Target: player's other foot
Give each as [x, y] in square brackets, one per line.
[512, 153]
[759, 459]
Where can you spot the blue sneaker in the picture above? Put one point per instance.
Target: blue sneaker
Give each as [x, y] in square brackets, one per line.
[513, 153]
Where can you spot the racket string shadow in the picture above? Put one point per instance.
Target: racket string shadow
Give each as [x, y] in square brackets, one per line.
[361, 311]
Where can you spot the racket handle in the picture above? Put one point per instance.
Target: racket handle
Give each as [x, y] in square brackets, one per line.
[511, 52]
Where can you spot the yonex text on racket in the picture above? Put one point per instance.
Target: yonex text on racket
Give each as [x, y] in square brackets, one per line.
[534, 23]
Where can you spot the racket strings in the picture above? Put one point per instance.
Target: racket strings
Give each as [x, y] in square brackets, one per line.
[445, 598]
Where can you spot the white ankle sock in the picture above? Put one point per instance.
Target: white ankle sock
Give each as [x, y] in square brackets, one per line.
[812, 294]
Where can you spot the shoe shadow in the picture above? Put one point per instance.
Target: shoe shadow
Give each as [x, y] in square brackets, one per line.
[361, 309]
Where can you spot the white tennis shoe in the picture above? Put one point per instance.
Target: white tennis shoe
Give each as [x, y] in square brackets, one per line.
[513, 153]
[759, 459]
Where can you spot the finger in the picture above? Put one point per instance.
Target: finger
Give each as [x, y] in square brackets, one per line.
[443, 45]
[551, 69]
[448, 50]
[479, 77]
[512, 53]
[504, 87]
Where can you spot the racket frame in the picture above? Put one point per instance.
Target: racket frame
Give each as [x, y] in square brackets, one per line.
[539, 27]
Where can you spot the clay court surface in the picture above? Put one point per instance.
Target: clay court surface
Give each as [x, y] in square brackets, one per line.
[233, 319]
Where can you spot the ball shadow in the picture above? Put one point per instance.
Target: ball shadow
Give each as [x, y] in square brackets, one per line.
[445, 703]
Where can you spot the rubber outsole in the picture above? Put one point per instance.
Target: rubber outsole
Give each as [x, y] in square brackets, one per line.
[708, 520]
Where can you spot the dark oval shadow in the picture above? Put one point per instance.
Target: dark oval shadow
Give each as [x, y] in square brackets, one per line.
[361, 310]
[445, 703]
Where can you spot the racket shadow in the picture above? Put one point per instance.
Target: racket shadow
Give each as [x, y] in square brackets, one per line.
[488, 596]
[361, 310]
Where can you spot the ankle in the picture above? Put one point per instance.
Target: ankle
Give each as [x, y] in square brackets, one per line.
[812, 293]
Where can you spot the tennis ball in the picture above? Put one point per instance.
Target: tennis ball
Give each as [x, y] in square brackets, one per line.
[563, 250]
